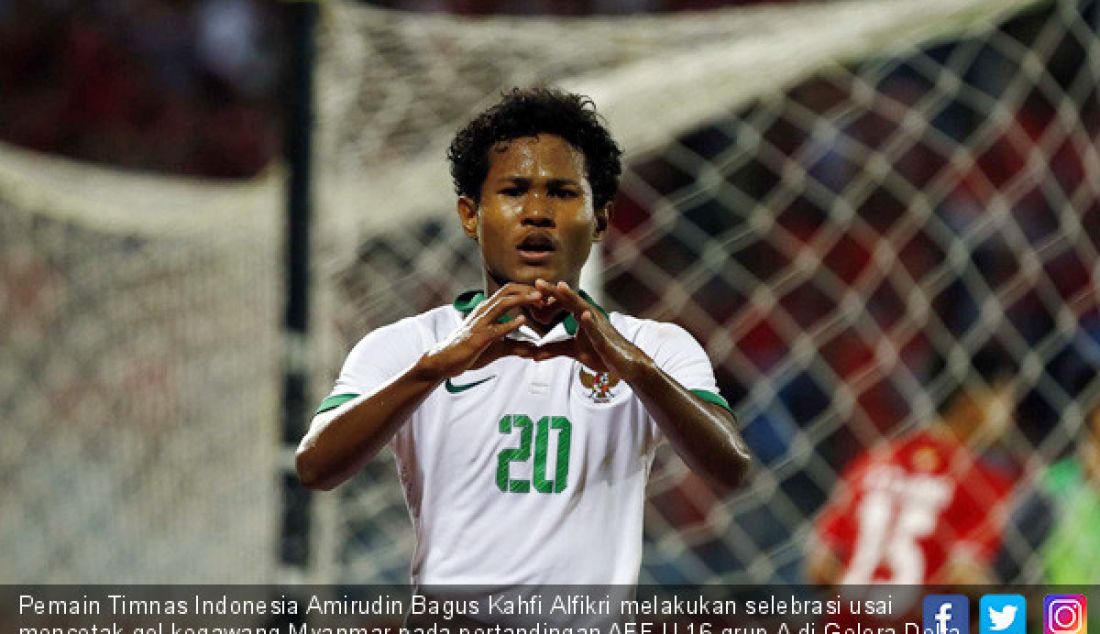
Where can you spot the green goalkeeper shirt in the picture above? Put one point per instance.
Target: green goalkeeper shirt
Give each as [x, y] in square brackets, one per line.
[1070, 554]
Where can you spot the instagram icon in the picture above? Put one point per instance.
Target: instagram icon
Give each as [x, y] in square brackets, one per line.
[1065, 614]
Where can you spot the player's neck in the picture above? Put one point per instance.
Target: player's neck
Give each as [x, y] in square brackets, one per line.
[540, 327]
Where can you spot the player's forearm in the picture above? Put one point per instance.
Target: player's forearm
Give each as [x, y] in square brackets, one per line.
[334, 449]
[338, 446]
[701, 433]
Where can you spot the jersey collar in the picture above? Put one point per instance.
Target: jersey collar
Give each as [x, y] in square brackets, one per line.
[466, 302]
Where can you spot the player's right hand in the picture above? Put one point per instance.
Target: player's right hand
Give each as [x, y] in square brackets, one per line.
[483, 338]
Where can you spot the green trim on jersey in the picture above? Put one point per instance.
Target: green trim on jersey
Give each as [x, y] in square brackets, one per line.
[334, 401]
[712, 397]
[466, 302]
[571, 324]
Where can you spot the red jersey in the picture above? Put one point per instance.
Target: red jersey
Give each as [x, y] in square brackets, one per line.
[904, 508]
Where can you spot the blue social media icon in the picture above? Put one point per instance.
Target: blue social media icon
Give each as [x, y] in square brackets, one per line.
[1002, 614]
[946, 614]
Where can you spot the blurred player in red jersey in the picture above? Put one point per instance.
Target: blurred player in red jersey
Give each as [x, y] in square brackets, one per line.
[922, 508]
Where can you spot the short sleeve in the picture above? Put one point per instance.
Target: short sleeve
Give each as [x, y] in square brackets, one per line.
[680, 356]
[376, 359]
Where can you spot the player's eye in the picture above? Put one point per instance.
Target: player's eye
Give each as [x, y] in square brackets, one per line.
[564, 193]
[512, 191]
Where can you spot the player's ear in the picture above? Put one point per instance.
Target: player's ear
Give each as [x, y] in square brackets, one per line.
[601, 221]
[467, 215]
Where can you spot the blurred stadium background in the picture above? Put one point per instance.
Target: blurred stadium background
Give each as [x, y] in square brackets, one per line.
[843, 201]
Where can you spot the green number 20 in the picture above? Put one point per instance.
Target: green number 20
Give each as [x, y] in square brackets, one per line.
[521, 423]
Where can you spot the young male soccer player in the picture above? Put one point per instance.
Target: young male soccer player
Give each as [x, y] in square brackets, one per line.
[524, 417]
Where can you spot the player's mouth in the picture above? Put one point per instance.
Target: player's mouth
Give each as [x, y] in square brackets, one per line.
[536, 248]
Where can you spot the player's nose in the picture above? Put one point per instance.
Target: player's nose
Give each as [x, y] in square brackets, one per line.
[537, 211]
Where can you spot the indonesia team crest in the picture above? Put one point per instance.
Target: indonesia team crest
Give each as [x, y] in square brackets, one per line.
[600, 387]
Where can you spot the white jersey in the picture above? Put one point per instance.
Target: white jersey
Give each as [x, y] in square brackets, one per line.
[524, 472]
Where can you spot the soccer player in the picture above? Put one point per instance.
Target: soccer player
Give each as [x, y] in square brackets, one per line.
[1058, 519]
[1070, 554]
[923, 508]
[524, 417]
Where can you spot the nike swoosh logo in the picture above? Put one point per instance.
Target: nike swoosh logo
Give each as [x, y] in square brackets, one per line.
[455, 389]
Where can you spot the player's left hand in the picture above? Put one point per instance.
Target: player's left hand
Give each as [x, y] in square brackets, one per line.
[597, 344]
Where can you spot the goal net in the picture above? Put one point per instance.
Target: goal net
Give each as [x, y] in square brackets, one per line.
[138, 375]
[842, 201]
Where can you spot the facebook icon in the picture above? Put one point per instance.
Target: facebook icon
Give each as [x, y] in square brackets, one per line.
[946, 614]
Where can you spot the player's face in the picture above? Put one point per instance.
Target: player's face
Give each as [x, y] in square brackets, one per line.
[989, 410]
[535, 219]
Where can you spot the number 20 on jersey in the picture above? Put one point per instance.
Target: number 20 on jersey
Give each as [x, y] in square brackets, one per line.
[541, 482]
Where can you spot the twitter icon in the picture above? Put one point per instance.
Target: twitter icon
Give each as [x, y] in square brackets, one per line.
[1002, 614]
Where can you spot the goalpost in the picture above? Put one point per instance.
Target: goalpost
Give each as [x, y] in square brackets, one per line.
[834, 198]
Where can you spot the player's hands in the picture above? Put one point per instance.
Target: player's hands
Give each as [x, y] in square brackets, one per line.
[597, 344]
[482, 338]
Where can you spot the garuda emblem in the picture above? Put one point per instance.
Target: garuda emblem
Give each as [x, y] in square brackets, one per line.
[599, 385]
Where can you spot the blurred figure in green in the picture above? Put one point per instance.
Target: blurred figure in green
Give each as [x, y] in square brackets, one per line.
[1054, 528]
[1070, 553]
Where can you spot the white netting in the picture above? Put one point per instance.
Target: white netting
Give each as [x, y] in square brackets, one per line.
[139, 375]
[835, 198]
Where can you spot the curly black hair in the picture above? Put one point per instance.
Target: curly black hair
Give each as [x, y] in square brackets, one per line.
[528, 112]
